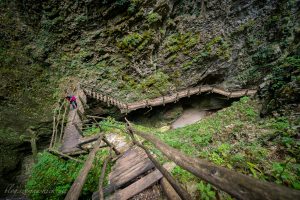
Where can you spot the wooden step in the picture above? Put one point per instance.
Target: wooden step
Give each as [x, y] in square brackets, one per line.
[132, 173]
[133, 189]
[119, 168]
[138, 186]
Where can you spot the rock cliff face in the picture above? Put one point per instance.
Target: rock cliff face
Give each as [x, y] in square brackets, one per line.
[136, 49]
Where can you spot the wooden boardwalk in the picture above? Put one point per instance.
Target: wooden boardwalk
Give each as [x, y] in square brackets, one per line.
[131, 175]
[128, 107]
[73, 127]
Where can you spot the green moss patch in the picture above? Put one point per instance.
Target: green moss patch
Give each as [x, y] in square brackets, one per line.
[52, 176]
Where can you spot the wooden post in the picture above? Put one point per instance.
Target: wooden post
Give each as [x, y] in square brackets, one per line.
[188, 93]
[102, 176]
[63, 123]
[238, 185]
[58, 119]
[75, 190]
[53, 131]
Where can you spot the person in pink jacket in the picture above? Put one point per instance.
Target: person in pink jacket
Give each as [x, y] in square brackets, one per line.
[72, 100]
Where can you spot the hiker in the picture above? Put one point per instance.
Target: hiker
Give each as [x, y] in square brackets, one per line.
[72, 100]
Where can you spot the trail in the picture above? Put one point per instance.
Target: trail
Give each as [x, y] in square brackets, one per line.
[162, 100]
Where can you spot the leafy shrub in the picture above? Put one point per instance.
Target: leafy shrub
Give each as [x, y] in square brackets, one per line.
[153, 17]
[206, 191]
[179, 42]
[130, 41]
[284, 175]
[182, 175]
[158, 82]
[135, 42]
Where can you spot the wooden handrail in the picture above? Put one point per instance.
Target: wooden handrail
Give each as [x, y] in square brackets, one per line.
[174, 97]
[56, 122]
[238, 185]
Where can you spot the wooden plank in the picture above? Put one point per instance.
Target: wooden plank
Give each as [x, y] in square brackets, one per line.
[71, 131]
[132, 173]
[126, 164]
[130, 159]
[137, 186]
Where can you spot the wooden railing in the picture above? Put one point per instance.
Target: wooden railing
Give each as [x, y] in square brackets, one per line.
[174, 97]
[238, 185]
[58, 119]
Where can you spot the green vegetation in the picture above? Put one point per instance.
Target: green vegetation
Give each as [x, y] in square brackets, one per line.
[135, 42]
[236, 138]
[180, 42]
[283, 87]
[54, 176]
[155, 84]
[217, 48]
[153, 17]
[135, 53]
[131, 41]
[266, 54]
